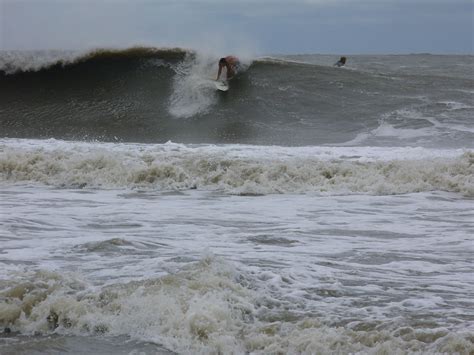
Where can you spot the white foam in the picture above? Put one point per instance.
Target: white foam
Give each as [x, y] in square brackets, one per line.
[388, 130]
[237, 169]
[200, 309]
[454, 105]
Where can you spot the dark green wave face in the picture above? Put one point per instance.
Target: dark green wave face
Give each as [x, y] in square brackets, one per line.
[152, 95]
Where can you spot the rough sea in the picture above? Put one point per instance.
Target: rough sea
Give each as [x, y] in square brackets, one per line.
[308, 210]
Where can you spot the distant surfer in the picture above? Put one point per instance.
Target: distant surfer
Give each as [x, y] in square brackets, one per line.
[341, 62]
[232, 65]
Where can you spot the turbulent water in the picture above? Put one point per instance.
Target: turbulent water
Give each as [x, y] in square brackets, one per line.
[310, 209]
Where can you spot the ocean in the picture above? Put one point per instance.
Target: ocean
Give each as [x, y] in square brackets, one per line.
[308, 210]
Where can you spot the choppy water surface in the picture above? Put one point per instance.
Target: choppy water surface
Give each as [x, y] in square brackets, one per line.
[200, 271]
[312, 210]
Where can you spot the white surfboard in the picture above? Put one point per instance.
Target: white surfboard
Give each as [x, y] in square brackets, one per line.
[222, 85]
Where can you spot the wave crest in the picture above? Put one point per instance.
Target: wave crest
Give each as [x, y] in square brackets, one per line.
[12, 62]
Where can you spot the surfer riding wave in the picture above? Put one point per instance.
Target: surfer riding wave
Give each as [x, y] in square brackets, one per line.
[232, 65]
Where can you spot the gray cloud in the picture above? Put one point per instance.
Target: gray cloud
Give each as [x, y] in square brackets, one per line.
[266, 26]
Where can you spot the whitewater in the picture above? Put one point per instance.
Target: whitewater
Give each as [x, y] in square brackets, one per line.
[309, 210]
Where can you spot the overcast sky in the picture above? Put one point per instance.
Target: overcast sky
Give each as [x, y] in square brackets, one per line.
[259, 26]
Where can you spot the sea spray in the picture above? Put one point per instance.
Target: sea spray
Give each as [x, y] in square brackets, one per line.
[193, 89]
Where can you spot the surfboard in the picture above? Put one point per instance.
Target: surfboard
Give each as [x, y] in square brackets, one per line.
[222, 85]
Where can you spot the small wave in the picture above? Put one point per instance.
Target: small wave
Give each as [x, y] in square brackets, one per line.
[416, 124]
[105, 245]
[454, 105]
[286, 62]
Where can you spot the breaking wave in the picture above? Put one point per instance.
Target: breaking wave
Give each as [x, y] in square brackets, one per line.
[244, 170]
[206, 307]
[155, 95]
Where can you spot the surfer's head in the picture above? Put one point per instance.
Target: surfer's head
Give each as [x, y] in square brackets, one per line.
[222, 61]
[343, 60]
